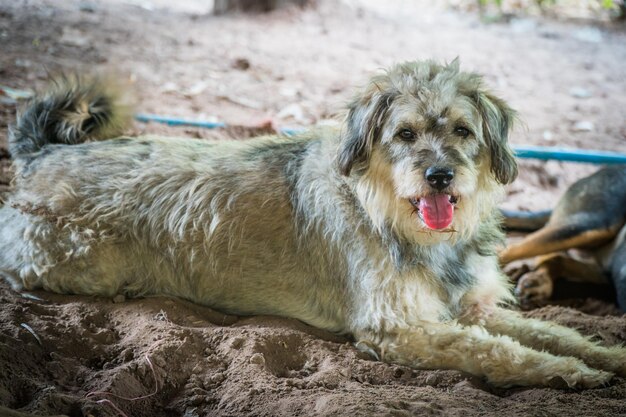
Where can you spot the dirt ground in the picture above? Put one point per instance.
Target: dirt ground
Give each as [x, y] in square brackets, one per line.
[83, 356]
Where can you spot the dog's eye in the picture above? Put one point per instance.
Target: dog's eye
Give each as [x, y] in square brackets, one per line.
[406, 134]
[462, 132]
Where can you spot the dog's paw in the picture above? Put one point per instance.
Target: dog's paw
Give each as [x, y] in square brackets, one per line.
[579, 375]
[614, 360]
[516, 270]
[594, 378]
[535, 286]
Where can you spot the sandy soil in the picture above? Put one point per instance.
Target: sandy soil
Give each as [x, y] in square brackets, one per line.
[160, 357]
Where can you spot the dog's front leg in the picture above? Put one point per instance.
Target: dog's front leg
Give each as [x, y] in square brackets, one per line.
[502, 360]
[556, 339]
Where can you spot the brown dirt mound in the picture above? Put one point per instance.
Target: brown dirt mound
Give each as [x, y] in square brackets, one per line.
[161, 356]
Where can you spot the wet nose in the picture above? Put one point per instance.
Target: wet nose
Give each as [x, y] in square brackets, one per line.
[439, 178]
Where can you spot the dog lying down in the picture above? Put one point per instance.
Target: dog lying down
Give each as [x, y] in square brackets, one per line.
[384, 229]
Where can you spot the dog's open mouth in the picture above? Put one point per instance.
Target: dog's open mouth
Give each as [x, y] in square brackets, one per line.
[436, 211]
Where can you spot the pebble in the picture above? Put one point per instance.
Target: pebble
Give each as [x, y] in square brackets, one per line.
[257, 359]
[583, 126]
[548, 136]
[191, 412]
[237, 342]
[217, 378]
[119, 299]
[196, 400]
[589, 34]
[579, 92]
[431, 380]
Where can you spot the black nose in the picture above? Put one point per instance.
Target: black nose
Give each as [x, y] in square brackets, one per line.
[439, 178]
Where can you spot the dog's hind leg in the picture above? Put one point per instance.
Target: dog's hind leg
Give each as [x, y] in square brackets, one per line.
[538, 284]
[502, 360]
[15, 251]
[35, 253]
[557, 339]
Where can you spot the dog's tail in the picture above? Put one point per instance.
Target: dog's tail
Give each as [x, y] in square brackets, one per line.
[73, 110]
[525, 221]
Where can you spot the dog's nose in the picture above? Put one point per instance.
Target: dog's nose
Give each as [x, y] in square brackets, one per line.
[439, 178]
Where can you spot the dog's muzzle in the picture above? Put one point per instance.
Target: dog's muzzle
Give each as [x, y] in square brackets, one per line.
[436, 210]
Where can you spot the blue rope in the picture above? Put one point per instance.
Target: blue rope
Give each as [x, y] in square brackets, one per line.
[534, 152]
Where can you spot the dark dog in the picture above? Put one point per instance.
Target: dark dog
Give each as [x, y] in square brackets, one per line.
[591, 216]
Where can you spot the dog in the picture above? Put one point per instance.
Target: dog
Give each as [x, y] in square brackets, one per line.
[591, 216]
[384, 230]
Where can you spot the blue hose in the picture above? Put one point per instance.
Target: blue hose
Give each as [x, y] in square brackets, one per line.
[534, 152]
[570, 155]
[174, 121]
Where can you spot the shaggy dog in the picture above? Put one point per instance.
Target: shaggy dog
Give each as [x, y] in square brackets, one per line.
[384, 230]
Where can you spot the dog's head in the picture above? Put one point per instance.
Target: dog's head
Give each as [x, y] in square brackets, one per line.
[427, 145]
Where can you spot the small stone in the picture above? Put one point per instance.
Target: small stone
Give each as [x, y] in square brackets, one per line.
[589, 34]
[241, 64]
[217, 378]
[579, 92]
[294, 111]
[431, 380]
[119, 299]
[548, 136]
[257, 359]
[463, 385]
[583, 126]
[523, 25]
[73, 37]
[237, 342]
[87, 7]
[197, 88]
[191, 412]
[161, 316]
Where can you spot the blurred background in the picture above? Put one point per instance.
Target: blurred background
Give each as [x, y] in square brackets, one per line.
[295, 63]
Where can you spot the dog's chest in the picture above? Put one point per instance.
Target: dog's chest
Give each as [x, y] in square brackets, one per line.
[429, 288]
[432, 282]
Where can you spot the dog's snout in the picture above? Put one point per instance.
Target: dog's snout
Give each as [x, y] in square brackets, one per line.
[439, 178]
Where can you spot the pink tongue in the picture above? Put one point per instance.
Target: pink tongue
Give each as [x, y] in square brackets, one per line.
[436, 211]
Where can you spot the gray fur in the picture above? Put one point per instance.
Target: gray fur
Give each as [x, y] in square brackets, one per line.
[320, 227]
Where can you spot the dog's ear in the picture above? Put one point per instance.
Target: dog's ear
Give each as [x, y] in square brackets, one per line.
[498, 119]
[366, 116]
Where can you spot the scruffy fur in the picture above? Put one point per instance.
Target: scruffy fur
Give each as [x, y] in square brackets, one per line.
[322, 227]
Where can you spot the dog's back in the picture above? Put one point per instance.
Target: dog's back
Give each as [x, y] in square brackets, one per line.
[210, 221]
